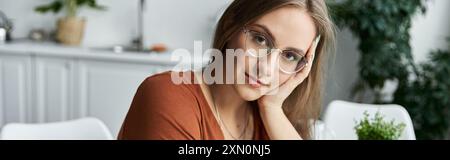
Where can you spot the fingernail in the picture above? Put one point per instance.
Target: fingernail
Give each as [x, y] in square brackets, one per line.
[318, 39]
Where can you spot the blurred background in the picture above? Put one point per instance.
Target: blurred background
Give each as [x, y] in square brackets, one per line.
[67, 59]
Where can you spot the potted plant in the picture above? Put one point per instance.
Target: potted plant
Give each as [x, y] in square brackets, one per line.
[382, 28]
[378, 129]
[71, 27]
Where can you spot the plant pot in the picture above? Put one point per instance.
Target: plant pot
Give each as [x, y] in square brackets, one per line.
[70, 30]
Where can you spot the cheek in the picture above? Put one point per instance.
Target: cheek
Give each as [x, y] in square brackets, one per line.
[236, 42]
[283, 78]
[240, 59]
[245, 62]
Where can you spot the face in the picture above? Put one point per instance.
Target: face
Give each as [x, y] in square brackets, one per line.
[291, 30]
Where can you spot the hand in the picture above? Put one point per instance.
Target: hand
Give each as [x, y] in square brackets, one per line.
[275, 98]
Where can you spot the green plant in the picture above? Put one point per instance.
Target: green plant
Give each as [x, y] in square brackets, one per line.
[71, 6]
[428, 97]
[378, 129]
[382, 26]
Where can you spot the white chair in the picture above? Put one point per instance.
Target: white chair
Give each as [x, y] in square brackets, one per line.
[321, 132]
[341, 118]
[80, 129]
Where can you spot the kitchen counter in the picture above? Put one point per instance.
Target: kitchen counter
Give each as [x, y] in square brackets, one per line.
[47, 82]
[57, 50]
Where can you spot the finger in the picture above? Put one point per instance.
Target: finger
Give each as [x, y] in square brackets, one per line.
[313, 52]
[299, 77]
[284, 89]
[290, 85]
[296, 80]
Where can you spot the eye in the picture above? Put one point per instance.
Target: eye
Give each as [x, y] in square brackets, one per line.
[259, 39]
[291, 56]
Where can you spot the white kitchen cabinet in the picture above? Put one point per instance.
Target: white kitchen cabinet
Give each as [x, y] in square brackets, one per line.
[15, 87]
[45, 83]
[54, 79]
[106, 89]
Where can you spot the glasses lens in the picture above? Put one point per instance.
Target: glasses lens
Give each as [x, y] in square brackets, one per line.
[257, 44]
[291, 61]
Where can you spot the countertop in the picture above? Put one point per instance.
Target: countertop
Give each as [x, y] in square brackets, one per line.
[57, 50]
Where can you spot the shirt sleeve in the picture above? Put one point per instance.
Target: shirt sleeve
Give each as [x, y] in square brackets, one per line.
[161, 110]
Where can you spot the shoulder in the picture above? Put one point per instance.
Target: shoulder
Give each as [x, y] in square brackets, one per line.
[163, 88]
[162, 109]
[169, 80]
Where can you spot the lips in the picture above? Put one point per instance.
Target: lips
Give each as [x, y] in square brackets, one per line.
[255, 83]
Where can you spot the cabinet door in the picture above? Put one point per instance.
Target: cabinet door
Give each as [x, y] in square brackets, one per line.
[54, 91]
[106, 89]
[15, 88]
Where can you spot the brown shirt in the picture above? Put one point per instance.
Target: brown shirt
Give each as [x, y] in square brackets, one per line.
[162, 110]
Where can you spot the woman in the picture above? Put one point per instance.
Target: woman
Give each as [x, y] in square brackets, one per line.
[283, 72]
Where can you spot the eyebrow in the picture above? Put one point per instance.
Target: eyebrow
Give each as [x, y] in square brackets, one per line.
[298, 50]
[267, 30]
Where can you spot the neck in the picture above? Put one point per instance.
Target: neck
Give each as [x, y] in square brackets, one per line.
[227, 100]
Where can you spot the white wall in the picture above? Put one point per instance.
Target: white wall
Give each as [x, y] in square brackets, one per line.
[181, 22]
[174, 22]
[429, 32]
[343, 73]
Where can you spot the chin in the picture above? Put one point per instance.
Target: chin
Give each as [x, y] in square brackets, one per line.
[247, 93]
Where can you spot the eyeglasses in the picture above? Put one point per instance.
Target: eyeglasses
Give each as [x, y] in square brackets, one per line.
[259, 44]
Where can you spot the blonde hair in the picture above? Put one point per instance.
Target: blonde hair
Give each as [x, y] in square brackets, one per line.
[304, 103]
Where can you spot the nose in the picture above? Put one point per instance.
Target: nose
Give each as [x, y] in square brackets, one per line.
[267, 65]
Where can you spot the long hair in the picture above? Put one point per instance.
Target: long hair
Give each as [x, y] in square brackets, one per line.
[303, 105]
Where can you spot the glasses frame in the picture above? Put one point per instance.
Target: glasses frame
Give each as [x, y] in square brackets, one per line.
[273, 49]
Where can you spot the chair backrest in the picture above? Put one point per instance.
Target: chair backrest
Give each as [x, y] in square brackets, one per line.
[80, 129]
[341, 117]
